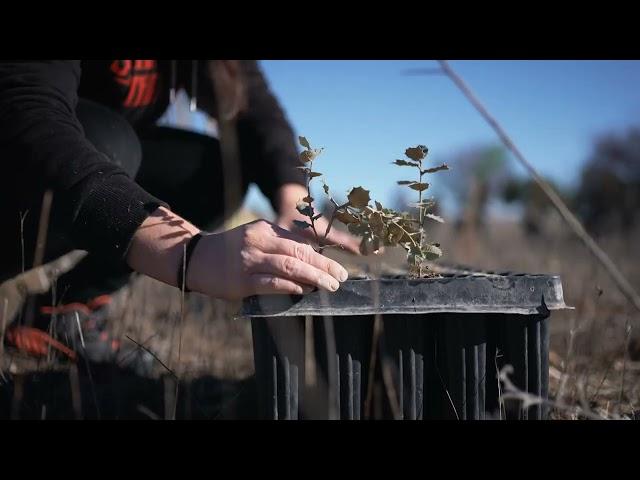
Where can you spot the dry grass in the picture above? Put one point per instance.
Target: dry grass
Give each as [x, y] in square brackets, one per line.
[594, 348]
[595, 352]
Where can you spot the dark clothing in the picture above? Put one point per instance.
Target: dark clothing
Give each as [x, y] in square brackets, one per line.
[182, 167]
[88, 155]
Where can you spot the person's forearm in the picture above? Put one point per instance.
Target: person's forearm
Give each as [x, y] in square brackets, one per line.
[158, 245]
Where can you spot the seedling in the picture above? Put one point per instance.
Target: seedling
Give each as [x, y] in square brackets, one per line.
[377, 225]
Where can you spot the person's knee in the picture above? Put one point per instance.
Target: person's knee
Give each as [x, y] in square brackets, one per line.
[111, 134]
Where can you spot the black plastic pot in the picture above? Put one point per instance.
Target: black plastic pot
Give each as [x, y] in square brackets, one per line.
[442, 342]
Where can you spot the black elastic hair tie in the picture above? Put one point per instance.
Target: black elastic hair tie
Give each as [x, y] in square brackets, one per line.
[184, 260]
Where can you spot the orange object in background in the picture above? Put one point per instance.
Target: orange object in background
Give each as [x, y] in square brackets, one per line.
[36, 342]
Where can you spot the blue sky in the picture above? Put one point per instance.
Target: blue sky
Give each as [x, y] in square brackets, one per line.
[365, 113]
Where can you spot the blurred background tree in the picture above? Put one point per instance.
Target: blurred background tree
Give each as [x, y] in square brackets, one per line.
[608, 197]
[480, 173]
[538, 218]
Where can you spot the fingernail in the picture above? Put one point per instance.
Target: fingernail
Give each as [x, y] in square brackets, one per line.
[330, 285]
[343, 275]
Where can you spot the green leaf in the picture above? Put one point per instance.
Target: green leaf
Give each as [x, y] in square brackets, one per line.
[434, 217]
[315, 174]
[410, 226]
[346, 217]
[308, 155]
[359, 197]
[406, 182]
[444, 166]
[415, 255]
[376, 223]
[307, 199]
[301, 224]
[419, 186]
[303, 141]
[416, 153]
[431, 252]
[326, 188]
[415, 259]
[304, 169]
[317, 217]
[390, 212]
[360, 229]
[394, 234]
[305, 209]
[404, 163]
[369, 245]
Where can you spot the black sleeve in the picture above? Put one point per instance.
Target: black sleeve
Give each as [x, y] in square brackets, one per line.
[266, 140]
[42, 146]
[264, 125]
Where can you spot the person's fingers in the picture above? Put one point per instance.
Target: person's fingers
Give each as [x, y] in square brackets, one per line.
[263, 284]
[291, 268]
[307, 254]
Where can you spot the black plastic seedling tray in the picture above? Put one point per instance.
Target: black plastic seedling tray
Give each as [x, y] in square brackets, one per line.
[443, 341]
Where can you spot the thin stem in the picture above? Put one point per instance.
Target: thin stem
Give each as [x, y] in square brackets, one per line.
[421, 216]
[616, 274]
[313, 222]
[408, 234]
[22, 219]
[333, 216]
[336, 209]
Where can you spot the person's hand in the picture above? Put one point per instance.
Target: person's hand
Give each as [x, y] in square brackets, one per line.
[256, 258]
[289, 196]
[259, 258]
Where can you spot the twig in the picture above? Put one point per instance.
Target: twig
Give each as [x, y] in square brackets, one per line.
[500, 401]
[91, 382]
[619, 279]
[567, 362]
[446, 390]
[43, 226]
[41, 240]
[528, 399]
[604, 377]
[147, 412]
[180, 327]
[154, 356]
[624, 361]
[22, 219]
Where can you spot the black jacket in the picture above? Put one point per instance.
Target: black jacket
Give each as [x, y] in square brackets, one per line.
[42, 144]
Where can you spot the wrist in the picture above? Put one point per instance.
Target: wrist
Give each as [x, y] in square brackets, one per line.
[185, 261]
[205, 257]
[157, 247]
